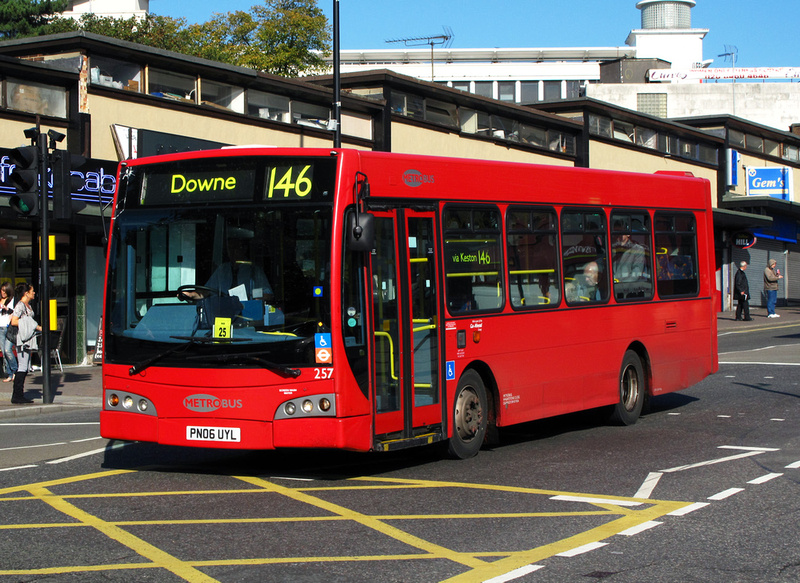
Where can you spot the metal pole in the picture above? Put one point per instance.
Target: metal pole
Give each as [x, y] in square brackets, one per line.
[44, 285]
[337, 89]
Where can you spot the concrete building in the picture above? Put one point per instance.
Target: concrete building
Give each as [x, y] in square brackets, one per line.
[108, 8]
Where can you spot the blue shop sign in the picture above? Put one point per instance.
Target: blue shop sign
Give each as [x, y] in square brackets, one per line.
[775, 182]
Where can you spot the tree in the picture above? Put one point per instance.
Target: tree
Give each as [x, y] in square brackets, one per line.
[283, 37]
[21, 18]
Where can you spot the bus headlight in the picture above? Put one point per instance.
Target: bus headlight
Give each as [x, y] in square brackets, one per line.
[113, 400]
[323, 405]
[127, 402]
[143, 404]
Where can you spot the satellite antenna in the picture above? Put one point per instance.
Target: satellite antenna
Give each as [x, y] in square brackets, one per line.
[445, 40]
[731, 53]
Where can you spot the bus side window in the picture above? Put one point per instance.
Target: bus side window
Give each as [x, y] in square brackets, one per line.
[585, 255]
[676, 254]
[631, 260]
[532, 238]
[473, 254]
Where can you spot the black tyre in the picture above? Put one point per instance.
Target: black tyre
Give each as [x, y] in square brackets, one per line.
[470, 412]
[632, 390]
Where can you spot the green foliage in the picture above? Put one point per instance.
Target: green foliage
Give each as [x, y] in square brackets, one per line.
[21, 18]
[277, 37]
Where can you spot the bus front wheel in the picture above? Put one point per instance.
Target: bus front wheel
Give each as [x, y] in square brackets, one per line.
[470, 412]
[631, 390]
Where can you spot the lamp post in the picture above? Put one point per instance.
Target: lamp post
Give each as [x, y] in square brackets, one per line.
[337, 89]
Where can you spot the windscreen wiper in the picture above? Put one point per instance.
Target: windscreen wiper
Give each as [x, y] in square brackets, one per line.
[140, 366]
[253, 357]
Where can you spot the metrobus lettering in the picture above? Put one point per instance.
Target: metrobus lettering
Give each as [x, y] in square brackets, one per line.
[181, 183]
[208, 403]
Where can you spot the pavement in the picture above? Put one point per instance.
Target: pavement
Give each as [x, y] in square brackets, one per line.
[80, 386]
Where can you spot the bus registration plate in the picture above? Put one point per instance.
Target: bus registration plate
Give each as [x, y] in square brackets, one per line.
[232, 434]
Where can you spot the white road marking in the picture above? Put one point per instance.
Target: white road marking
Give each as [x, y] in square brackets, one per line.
[582, 549]
[745, 448]
[515, 574]
[726, 494]
[649, 484]
[640, 528]
[793, 466]
[88, 453]
[595, 500]
[765, 478]
[687, 509]
[712, 462]
[33, 446]
[17, 468]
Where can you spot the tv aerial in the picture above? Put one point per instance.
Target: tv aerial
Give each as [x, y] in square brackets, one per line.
[444, 40]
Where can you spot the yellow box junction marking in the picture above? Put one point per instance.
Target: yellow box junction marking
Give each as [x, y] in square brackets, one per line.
[476, 568]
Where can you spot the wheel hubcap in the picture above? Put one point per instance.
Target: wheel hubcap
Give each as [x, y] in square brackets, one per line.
[469, 414]
[630, 388]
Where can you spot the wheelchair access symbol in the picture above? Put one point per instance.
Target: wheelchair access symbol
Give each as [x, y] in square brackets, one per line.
[322, 348]
[450, 370]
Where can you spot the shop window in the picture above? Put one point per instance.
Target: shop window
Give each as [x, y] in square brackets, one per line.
[314, 116]
[736, 139]
[484, 88]
[268, 106]
[754, 143]
[507, 91]
[791, 153]
[708, 154]
[222, 95]
[408, 105]
[114, 73]
[772, 148]
[441, 112]
[552, 90]
[36, 98]
[529, 92]
[573, 89]
[461, 86]
[171, 85]
[502, 127]
[600, 126]
[646, 138]
[623, 131]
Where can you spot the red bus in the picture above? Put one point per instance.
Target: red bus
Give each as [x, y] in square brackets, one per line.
[268, 298]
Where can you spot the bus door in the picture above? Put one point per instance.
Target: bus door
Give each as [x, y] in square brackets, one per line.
[405, 325]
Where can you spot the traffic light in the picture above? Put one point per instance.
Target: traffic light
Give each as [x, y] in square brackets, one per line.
[64, 183]
[26, 179]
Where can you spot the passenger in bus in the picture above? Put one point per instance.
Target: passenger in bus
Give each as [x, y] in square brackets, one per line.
[585, 286]
[628, 258]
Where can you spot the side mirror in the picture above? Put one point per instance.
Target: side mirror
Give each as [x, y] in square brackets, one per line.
[360, 231]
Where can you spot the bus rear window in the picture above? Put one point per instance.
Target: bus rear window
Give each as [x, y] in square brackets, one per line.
[676, 254]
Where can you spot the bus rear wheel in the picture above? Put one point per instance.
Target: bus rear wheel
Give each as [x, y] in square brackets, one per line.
[470, 411]
[631, 390]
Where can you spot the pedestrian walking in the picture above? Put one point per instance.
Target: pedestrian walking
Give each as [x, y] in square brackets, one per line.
[741, 292]
[771, 277]
[27, 342]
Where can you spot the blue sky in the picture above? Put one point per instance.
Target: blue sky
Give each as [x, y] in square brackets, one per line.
[763, 31]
